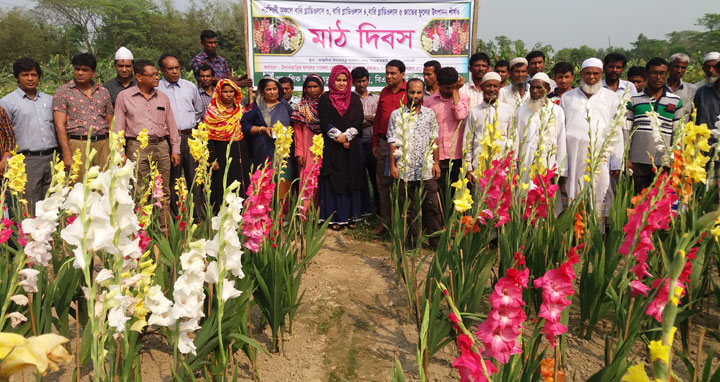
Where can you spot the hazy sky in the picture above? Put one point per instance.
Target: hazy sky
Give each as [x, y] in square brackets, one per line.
[569, 23]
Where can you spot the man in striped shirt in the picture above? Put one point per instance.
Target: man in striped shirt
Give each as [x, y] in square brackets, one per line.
[647, 150]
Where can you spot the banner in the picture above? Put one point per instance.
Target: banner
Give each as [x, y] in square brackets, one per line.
[294, 39]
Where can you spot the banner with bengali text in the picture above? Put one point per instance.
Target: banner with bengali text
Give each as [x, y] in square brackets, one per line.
[298, 38]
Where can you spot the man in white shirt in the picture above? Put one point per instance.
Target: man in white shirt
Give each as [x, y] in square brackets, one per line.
[709, 67]
[490, 111]
[678, 65]
[540, 138]
[517, 93]
[479, 65]
[601, 105]
[614, 66]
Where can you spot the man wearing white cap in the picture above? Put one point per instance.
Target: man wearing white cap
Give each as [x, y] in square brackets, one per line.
[125, 78]
[710, 69]
[487, 112]
[540, 138]
[600, 105]
[517, 93]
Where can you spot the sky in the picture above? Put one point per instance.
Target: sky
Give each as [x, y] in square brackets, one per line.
[568, 23]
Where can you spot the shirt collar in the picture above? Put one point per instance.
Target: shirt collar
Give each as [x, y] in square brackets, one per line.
[135, 90]
[20, 93]
[169, 84]
[664, 92]
[94, 85]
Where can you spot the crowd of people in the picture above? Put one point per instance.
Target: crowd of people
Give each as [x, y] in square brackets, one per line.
[551, 122]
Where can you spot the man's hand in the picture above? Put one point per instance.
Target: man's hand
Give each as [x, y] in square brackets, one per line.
[436, 172]
[67, 160]
[394, 171]
[244, 81]
[346, 144]
[3, 164]
[460, 82]
[614, 173]
[175, 159]
[300, 160]
[375, 152]
[471, 176]
[341, 138]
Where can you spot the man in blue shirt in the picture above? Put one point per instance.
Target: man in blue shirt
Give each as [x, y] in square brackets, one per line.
[187, 110]
[31, 113]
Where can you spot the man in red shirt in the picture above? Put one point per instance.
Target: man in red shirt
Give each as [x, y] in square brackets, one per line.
[392, 97]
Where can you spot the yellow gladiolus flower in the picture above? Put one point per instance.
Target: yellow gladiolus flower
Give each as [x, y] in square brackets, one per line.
[283, 141]
[636, 374]
[76, 164]
[659, 351]
[317, 146]
[16, 173]
[143, 138]
[44, 352]
[464, 202]
[586, 178]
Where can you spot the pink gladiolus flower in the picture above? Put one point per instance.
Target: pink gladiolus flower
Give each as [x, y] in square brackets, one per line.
[144, 240]
[469, 363]
[657, 306]
[637, 287]
[659, 217]
[499, 333]
[543, 189]
[158, 191]
[307, 194]
[495, 187]
[22, 237]
[557, 286]
[256, 219]
[6, 230]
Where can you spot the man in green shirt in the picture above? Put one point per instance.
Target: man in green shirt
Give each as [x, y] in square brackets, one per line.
[647, 145]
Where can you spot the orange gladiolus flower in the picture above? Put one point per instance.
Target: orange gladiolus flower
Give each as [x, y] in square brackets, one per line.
[579, 227]
[547, 371]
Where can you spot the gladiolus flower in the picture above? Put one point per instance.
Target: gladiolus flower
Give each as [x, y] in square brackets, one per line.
[543, 190]
[494, 186]
[547, 371]
[16, 318]
[636, 374]
[256, 222]
[659, 351]
[557, 285]
[44, 352]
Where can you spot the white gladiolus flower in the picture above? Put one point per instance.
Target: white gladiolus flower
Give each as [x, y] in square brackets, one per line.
[29, 283]
[229, 290]
[211, 275]
[19, 299]
[38, 252]
[103, 275]
[16, 318]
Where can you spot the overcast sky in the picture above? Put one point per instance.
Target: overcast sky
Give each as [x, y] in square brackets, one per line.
[569, 23]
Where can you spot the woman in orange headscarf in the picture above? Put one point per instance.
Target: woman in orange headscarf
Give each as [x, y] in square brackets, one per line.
[225, 134]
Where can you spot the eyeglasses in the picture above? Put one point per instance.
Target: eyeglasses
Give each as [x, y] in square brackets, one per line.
[156, 74]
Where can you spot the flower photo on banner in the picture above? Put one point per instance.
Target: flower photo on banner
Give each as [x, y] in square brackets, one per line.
[446, 37]
[276, 36]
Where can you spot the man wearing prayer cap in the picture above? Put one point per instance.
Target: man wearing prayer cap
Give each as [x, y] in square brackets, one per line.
[678, 65]
[124, 67]
[487, 112]
[707, 102]
[540, 140]
[517, 93]
[710, 69]
[601, 105]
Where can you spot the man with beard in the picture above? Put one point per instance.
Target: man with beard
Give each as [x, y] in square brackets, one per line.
[644, 153]
[490, 111]
[124, 69]
[517, 93]
[614, 65]
[479, 65]
[391, 97]
[540, 136]
[591, 99]
[710, 69]
[430, 73]
[451, 109]
[419, 167]
[564, 77]
[676, 70]
[707, 102]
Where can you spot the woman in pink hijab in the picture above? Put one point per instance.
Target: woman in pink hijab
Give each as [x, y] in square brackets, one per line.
[344, 196]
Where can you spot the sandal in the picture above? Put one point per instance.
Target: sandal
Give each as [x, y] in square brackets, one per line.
[351, 225]
[335, 227]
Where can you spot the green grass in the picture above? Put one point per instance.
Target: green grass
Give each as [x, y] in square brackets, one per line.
[323, 327]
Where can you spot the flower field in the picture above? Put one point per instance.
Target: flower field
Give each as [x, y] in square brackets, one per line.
[513, 291]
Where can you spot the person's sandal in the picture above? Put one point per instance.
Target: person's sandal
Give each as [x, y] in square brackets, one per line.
[335, 227]
[351, 225]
